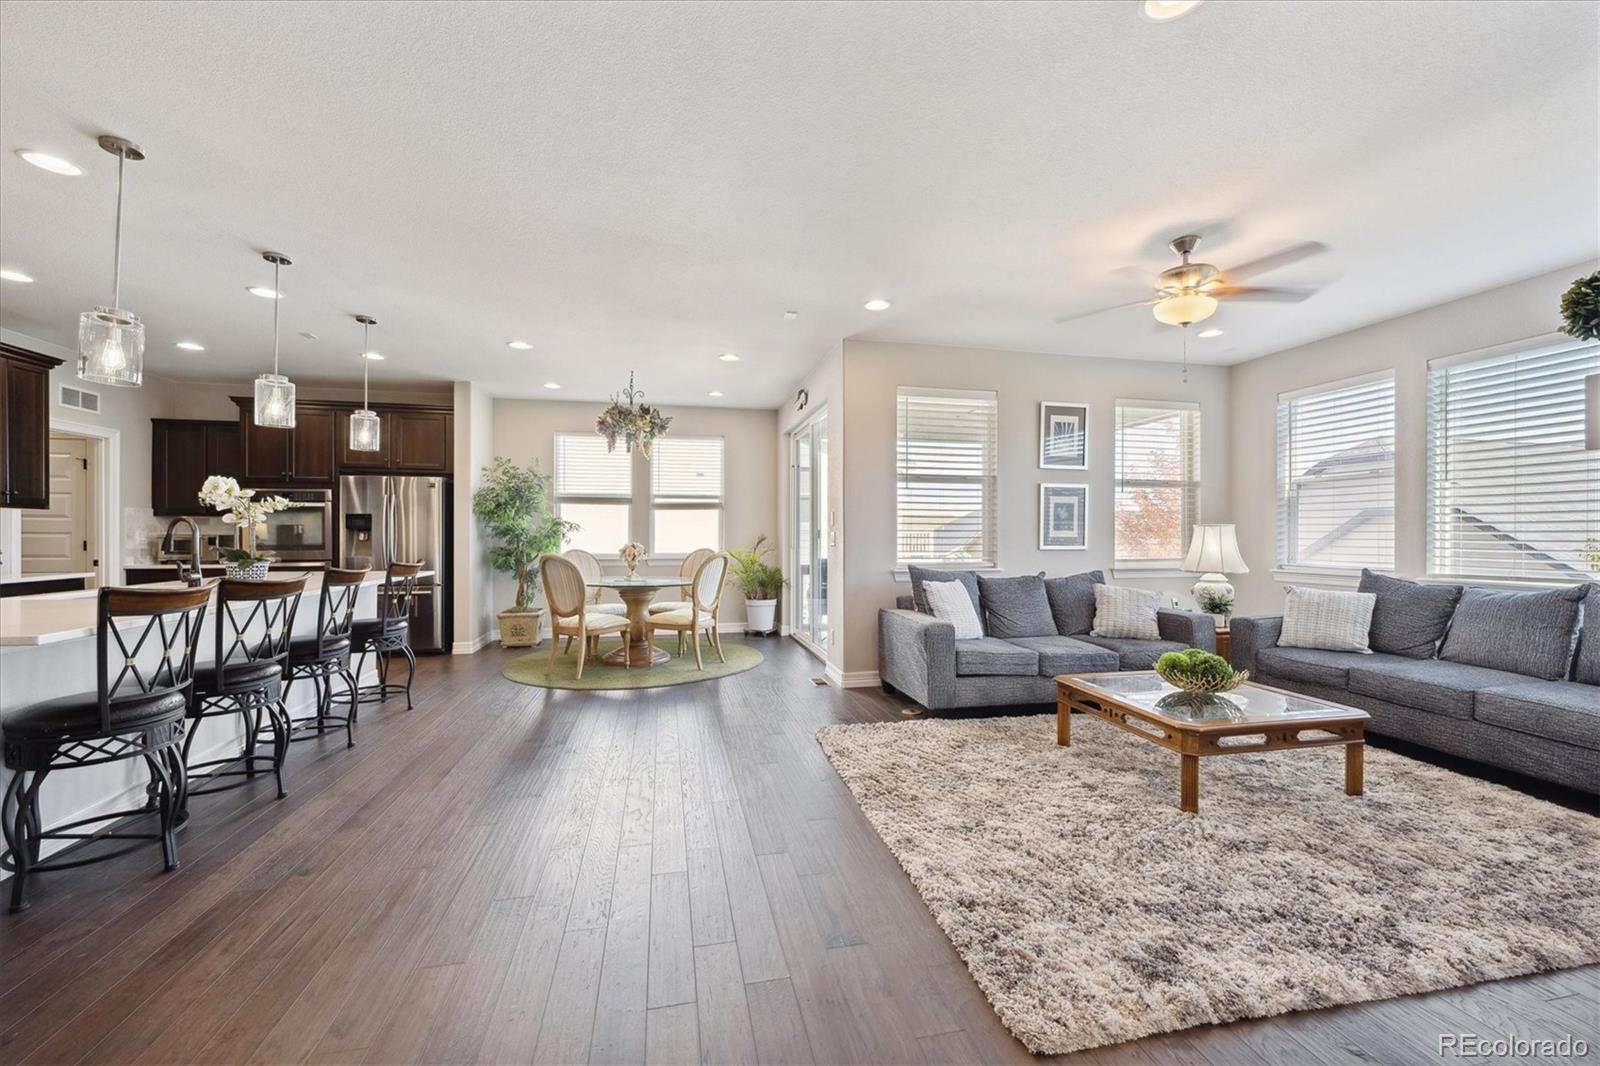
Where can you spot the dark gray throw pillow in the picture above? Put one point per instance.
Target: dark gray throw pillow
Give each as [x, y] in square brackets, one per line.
[1409, 618]
[1072, 601]
[919, 574]
[1586, 667]
[1524, 632]
[1015, 606]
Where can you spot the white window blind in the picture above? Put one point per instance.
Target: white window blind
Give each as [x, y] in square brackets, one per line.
[945, 477]
[1157, 481]
[594, 488]
[1512, 493]
[686, 482]
[1336, 476]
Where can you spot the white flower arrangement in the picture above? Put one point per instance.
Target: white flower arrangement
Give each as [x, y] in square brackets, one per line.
[242, 509]
[632, 555]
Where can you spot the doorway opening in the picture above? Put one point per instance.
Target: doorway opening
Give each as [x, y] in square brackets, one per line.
[810, 532]
[65, 538]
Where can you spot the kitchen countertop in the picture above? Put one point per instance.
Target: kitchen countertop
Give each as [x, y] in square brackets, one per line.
[36, 579]
[50, 617]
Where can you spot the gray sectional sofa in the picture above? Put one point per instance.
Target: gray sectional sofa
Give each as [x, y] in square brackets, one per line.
[1023, 648]
[1510, 679]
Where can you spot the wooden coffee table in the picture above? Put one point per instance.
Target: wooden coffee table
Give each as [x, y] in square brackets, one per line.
[1250, 718]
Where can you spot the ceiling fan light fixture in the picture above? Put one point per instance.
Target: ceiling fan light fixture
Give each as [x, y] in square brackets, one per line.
[1167, 10]
[1185, 309]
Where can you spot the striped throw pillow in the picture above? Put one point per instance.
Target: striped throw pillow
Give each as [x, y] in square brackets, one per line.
[1327, 619]
[950, 602]
[1125, 612]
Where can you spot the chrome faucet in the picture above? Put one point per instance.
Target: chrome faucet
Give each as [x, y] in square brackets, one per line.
[189, 573]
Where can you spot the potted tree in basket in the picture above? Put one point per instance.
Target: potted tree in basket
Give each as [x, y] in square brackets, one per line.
[761, 582]
[513, 505]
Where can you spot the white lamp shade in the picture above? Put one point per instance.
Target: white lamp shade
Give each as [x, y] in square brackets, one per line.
[1214, 550]
[111, 347]
[1185, 309]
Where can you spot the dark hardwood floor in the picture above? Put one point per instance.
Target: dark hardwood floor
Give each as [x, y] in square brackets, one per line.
[508, 874]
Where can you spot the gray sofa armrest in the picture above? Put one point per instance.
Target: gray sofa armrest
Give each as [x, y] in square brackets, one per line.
[1188, 627]
[1250, 635]
[917, 655]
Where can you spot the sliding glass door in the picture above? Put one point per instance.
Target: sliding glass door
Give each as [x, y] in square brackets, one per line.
[808, 535]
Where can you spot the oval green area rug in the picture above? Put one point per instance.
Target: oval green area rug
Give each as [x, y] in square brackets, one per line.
[678, 670]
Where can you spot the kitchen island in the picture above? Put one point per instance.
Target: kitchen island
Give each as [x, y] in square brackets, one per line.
[47, 649]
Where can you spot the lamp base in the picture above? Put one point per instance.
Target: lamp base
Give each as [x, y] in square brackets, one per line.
[1213, 585]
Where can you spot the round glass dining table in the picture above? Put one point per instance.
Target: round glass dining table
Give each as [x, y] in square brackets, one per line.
[636, 593]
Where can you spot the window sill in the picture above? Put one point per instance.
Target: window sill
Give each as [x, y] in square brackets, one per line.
[902, 575]
[1330, 579]
[1124, 573]
[1502, 582]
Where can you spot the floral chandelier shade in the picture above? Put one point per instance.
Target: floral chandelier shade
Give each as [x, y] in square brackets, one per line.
[631, 421]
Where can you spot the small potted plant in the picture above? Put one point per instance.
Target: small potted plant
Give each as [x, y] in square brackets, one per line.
[243, 510]
[1216, 603]
[761, 582]
[1198, 676]
[513, 505]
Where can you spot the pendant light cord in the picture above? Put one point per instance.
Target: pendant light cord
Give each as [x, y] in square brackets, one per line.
[277, 298]
[366, 365]
[116, 268]
[1186, 353]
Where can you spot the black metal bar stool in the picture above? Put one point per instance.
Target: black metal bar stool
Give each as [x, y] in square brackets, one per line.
[137, 712]
[254, 624]
[327, 655]
[388, 633]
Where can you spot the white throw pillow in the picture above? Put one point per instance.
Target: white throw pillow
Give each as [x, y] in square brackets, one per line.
[1327, 619]
[951, 602]
[1126, 612]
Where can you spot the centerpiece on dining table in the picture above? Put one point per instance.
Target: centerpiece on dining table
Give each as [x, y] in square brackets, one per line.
[244, 510]
[632, 554]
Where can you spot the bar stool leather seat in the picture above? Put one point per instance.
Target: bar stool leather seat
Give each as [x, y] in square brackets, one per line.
[78, 715]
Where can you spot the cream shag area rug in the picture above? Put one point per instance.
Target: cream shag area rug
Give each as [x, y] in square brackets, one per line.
[1091, 911]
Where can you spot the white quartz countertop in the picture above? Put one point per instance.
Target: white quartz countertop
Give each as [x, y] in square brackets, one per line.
[51, 617]
[34, 579]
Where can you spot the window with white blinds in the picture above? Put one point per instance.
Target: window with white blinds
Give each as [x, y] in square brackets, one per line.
[1157, 482]
[685, 495]
[1336, 475]
[1512, 492]
[594, 488]
[945, 477]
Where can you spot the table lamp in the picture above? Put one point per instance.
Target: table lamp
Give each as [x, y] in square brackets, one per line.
[1213, 554]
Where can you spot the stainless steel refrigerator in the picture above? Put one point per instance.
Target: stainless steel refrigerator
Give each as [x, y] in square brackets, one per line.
[384, 519]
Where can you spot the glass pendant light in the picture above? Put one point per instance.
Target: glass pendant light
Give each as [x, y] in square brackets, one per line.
[274, 394]
[364, 424]
[111, 340]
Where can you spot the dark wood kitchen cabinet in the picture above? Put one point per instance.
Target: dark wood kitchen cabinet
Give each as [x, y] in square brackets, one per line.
[183, 453]
[412, 439]
[299, 456]
[25, 427]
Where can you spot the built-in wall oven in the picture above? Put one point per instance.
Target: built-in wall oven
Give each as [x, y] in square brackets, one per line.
[302, 532]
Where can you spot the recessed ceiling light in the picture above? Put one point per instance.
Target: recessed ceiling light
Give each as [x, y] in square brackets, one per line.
[791, 315]
[876, 305]
[1209, 333]
[728, 357]
[713, 392]
[520, 346]
[373, 356]
[551, 385]
[265, 292]
[45, 161]
[1167, 10]
[17, 276]
[191, 346]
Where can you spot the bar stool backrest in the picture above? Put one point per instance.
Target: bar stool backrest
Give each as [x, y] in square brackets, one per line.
[336, 608]
[394, 605]
[254, 624]
[154, 659]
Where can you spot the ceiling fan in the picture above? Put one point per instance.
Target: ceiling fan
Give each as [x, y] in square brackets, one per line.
[1189, 292]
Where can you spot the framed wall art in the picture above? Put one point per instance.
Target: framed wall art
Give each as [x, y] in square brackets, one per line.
[1063, 517]
[1063, 436]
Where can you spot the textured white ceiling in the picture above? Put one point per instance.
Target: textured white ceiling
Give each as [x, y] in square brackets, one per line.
[641, 186]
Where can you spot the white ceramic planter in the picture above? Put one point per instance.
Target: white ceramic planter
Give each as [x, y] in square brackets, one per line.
[760, 615]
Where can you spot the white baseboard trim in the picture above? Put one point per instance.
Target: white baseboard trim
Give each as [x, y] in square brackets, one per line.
[853, 679]
[469, 647]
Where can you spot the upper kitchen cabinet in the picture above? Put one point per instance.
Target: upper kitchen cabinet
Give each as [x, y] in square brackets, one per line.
[25, 427]
[299, 456]
[412, 439]
[183, 453]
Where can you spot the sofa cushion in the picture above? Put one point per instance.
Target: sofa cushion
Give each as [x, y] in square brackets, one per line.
[989, 656]
[1524, 632]
[1426, 684]
[1556, 710]
[919, 574]
[1072, 601]
[948, 601]
[1409, 618]
[1332, 619]
[1068, 655]
[1128, 613]
[1311, 666]
[1586, 666]
[1015, 606]
[1133, 653]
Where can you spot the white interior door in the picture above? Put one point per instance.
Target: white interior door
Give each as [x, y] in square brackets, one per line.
[57, 540]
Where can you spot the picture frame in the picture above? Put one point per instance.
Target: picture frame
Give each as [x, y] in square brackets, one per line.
[1063, 435]
[1063, 517]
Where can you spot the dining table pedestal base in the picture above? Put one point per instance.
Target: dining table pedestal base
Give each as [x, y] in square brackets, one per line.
[638, 651]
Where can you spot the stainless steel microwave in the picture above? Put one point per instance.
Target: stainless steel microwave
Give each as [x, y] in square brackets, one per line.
[302, 532]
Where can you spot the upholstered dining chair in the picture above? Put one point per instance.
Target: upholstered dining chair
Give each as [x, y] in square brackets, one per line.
[589, 567]
[705, 595]
[570, 614]
[687, 569]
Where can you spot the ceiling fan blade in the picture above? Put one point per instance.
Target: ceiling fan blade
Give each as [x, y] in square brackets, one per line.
[1264, 295]
[1102, 310]
[1292, 254]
